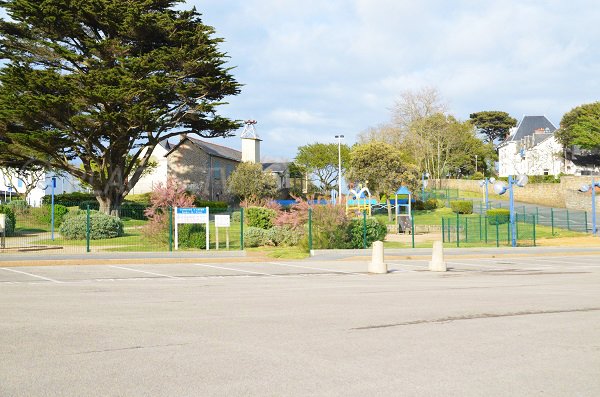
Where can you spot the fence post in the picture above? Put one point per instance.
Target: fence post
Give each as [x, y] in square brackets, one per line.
[585, 217]
[486, 229]
[170, 229]
[552, 219]
[508, 232]
[242, 227]
[412, 230]
[497, 232]
[87, 230]
[534, 230]
[480, 231]
[310, 242]
[457, 230]
[466, 229]
[568, 223]
[443, 231]
[365, 230]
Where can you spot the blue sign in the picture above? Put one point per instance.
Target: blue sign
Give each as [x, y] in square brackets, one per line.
[191, 211]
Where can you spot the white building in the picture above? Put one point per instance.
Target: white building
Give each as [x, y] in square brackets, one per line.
[532, 149]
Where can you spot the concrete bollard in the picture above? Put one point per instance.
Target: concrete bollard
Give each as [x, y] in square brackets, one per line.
[377, 265]
[437, 263]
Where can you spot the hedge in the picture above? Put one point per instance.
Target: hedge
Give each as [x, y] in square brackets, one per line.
[102, 226]
[214, 206]
[498, 216]
[11, 220]
[260, 217]
[462, 207]
[69, 199]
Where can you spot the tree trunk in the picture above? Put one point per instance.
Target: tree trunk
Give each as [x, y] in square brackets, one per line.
[389, 209]
[110, 203]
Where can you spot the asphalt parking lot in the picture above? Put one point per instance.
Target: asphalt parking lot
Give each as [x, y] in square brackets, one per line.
[490, 326]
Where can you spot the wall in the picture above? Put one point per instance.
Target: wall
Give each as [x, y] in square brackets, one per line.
[560, 195]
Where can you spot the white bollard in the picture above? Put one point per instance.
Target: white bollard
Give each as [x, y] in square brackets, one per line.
[377, 265]
[437, 263]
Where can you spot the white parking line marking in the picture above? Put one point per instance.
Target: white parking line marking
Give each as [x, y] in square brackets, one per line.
[314, 268]
[142, 271]
[32, 275]
[235, 270]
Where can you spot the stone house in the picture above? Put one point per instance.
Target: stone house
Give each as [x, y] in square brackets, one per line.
[203, 167]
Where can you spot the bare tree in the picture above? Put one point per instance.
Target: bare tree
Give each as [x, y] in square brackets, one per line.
[409, 108]
[417, 105]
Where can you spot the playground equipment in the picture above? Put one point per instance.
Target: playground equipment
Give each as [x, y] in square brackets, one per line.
[403, 218]
[359, 202]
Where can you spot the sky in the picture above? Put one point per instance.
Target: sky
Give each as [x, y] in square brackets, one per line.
[314, 69]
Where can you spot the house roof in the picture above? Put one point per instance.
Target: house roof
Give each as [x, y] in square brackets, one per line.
[529, 124]
[216, 150]
[166, 144]
[275, 167]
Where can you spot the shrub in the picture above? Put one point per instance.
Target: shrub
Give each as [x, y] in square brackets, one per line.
[255, 237]
[69, 199]
[214, 206]
[18, 206]
[192, 236]
[44, 214]
[330, 228]
[477, 175]
[498, 216]
[133, 210]
[143, 198]
[11, 219]
[102, 226]
[236, 217]
[430, 204]
[93, 204]
[260, 217]
[461, 207]
[376, 231]
[284, 236]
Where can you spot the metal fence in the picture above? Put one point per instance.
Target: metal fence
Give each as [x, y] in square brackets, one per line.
[71, 229]
[484, 230]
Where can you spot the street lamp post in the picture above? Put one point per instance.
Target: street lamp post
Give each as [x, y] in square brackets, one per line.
[500, 188]
[52, 209]
[339, 138]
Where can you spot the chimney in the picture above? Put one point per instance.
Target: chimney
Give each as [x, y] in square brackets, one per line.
[250, 143]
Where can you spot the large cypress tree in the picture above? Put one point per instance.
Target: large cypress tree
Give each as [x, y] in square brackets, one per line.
[101, 82]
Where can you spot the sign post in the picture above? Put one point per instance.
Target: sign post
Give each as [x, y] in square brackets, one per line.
[3, 230]
[223, 221]
[191, 215]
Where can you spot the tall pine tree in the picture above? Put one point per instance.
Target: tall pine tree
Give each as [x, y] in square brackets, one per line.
[102, 82]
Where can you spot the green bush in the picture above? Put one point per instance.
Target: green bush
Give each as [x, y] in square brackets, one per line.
[461, 207]
[214, 206]
[284, 236]
[260, 217]
[93, 204]
[255, 237]
[192, 236]
[69, 199]
[102, 226]
[477, 176]
[18, 206]
[11, 219]
[498, 216]
[133, 210]
[376, 231]
[236, 217]
[330, 228]
[44, 214]
[428, 205]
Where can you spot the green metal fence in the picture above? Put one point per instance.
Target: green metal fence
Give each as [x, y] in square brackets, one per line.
[482, 230]
[72, 229]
